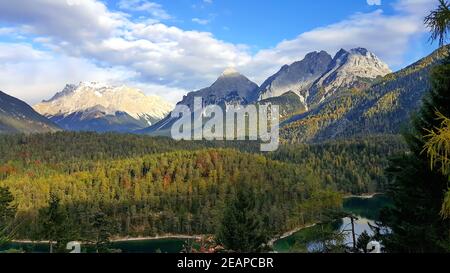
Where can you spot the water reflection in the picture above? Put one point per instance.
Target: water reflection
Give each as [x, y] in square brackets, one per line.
[313, 239]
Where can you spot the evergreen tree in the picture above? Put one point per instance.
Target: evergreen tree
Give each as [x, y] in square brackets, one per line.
[101, 230]
[242, 228]
[363, 241]
[183, 191]
[438, 150]
[7, 213]
[55, 225]
[417, 190]
[439, 22]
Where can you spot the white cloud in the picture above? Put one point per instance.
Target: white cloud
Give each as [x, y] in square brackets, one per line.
[6, 30]
[87, 20]
[154, 9]
[86, 41]
[374, 2]
[33, 75]
[415, 7]
[200, 21]
[388, 36]
[14, 53]
[158, 53]
[171, 94]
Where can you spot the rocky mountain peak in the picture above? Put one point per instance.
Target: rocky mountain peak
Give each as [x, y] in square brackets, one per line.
[316, 54]
[359, 50]
[340, 53]
[230, 72]
[231, 87]
[348, 69]
[105, 100]
[296, 77]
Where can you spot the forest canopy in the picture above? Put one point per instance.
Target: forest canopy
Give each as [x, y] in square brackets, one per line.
[152, 186]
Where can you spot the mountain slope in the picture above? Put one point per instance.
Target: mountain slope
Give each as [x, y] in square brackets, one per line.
[231, 88]
[103, 108]
[18, 117]
[349, 69]
[290, 104]
[382, 108]
[296, 77]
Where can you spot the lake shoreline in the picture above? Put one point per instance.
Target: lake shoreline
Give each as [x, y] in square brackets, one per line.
[197, 237]
[171, 236]
[289, 233]
[292, 232]
[364, 196]
[126, 239]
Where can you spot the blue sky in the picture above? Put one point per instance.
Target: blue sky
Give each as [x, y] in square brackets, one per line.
[168, 47]
[261, 24]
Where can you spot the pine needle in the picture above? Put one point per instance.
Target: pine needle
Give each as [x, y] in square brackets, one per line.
[438, 145]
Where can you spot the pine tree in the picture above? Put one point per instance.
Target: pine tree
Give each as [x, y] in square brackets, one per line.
[7, 213]
[55, 225]
[438, 21]
[101, 230]
[416, 189]
[363, 241]
[438, 151]
[242, 229]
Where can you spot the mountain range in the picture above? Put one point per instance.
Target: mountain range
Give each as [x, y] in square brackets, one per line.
[384, 107]
[297, 88]
[231, 88]
[319, 75]
[99, 107]
[321, 97]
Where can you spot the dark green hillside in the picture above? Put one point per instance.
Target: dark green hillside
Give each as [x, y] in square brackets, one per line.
[354, 166]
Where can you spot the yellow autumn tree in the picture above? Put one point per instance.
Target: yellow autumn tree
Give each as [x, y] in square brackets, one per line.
[438, 150]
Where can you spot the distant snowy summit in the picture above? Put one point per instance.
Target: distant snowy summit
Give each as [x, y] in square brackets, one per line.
[94, 106]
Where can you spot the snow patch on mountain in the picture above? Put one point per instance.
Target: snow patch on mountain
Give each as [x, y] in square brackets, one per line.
[87, 96]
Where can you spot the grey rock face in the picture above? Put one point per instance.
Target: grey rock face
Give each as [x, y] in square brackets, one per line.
[297, 77]
[348, 69]
[230, 88]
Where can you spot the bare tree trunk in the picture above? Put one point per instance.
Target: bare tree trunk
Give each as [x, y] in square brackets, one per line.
[353, 233]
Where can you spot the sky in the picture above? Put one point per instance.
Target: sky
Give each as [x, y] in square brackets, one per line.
[170, 47]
